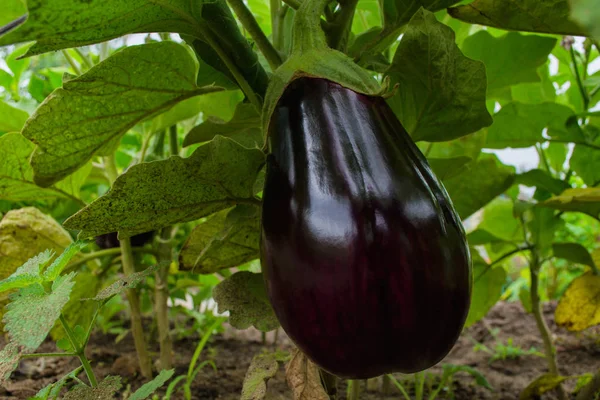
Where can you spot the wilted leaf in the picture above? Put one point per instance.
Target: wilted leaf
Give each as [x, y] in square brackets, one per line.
[487, 288]
[442, 92]
[245, 122]
[12, 119]
[51, 22]
[548, 16]
[9, 361]
[585, 200]
[303, 378]
[227, 239]
[579, 307]
[573, 252]
[262, 368]
[541, 385]
[128, 87]
[480, 183]
[152, 195]
[542, 180]
[445, 168]
[16, 175]
[32, 311]
[509, 59]
[150, 387]
[128, 282]
[105, 390]
[520, 125]
[244, 295]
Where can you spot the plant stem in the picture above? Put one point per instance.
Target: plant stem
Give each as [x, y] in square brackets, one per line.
[249, 23]
[386, 384]
[88, 63]
[36, 355]
[79, 351]
[536, 308]
[337, 36]
[209, 37]
[419, 385]
[582, 90]
[134, 302]
[173, 142]
[353, 390]
[72, 62]
[275, 6]
[105, 252]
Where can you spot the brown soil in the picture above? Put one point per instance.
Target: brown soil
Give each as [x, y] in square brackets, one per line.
[233, 351]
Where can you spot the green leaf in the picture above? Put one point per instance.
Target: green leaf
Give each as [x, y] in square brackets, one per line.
[509, 59]
[262, 368]
[556, 153]
[548, 16]
[129, 282]
[585, 162]
[442, 92]
[480, 380]
[482, 236]
[25, 233]
[52, 25]
[16, 175]
[397, 13]
[535, 92]
[483, 180]
[542, 180]
[573, 252]
[245, 121]
[150, 387]
[12, 119]
[586, 14]
[148, 196]
[105, 390]
[585, 200]
[445, 168]
[227, 239]
[132, 85]
[32, 312]
[498, 218]
[244, 295]
[52, 391]
[11, 10]
[521, 125]
[466, 146]
[9, 361]
[542, 227]
[487, 288]
[55, 269]
[541, 385]
[525, 297]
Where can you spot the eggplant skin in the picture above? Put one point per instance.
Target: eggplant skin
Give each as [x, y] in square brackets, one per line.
[109, 240]
[365, 260]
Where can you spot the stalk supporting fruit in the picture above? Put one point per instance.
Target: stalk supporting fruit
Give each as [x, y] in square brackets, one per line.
[365, 260]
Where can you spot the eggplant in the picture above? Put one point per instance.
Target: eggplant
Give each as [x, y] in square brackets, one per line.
[365, 260]
[110, 240]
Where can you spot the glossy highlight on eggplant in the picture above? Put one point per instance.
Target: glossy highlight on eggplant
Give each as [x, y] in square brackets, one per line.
[365, 260]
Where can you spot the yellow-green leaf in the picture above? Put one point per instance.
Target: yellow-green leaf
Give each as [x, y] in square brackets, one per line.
[585, 200]
[579, 307]
[541, 385]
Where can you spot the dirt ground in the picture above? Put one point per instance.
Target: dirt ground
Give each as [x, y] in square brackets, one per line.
[233, 351]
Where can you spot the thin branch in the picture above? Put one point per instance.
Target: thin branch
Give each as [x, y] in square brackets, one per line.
[86, 60]
[582, 90]
[35, 355]
[590, 145]
[502, 258]
[249, 23]
[72, 62]
[106, 252]
[338, 33]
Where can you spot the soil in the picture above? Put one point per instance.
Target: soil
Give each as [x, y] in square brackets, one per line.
[233, 351]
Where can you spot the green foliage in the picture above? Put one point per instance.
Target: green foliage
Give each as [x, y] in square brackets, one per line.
[434, 103]
[150, 387]
[128, 282]
[244, 295]
[105, 390]
[488, 282]
[13, 118]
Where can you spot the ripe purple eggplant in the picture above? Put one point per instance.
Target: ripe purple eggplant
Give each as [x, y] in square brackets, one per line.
[365, 259]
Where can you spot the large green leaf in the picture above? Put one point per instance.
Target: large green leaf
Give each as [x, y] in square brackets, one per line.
[509, 59]
[585, 200]
[542, 180]
[482, 181]
[547, 16]
[149, 388]
[522, 125]
[244, 295]
[585, 161]
[465, 146]
[12, 10]
[16, 175]
[132, 85]
[59, 24]
[542, 227]
[442, 92]
[12, 118]
[573, 252]
[227, 239]
[587, 14]
[498, 219]
[488, 282]
[32, 311]
[152, 195]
